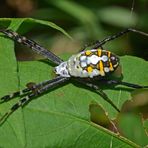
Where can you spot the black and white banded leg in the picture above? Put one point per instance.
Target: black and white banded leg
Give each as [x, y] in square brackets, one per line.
[33, 45]
[118, 82]
[14, 94]
[90, 45]
[39, 89]
[100, 91]
[110, 82]
[98, 44]
[29, 87]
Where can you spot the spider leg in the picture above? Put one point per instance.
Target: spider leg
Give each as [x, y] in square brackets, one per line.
[29, 87]
[117, 82]
[100, 91]
[89, 45]
[13, 95]
[33, 45]
[38, 91]
[109, 38]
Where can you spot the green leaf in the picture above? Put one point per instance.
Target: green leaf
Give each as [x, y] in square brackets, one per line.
[61, 117]
[132, 122]
[24, 23]
[100, 117]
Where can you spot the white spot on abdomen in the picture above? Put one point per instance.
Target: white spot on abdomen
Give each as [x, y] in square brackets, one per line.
[106, 69]
[104, 58]
[93, 59]
[83, 64]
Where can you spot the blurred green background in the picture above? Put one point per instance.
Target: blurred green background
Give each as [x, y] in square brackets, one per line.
[85, 21]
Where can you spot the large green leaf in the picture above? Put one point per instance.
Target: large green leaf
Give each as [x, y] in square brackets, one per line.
[61, 117]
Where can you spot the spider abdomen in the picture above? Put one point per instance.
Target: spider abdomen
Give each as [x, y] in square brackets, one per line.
[91, 63]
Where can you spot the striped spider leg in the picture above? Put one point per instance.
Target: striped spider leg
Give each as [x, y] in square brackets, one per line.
[33, 45]
[119, 82]
[34, 90]
[99, 44]
[112, 37]
[97, 89]
[109, 82]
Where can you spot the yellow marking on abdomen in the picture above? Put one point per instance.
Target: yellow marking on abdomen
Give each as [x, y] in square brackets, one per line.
[88, 52]
[111, 66]
[101, 68]
[99, 52]
[89, 69]
[109, 53]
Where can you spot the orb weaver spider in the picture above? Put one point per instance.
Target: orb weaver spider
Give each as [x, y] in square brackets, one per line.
[94, 64]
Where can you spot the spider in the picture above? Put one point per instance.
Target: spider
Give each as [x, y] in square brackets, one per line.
[85, 67]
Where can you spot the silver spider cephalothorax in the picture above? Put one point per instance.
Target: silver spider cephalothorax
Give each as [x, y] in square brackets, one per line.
[84, 67]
